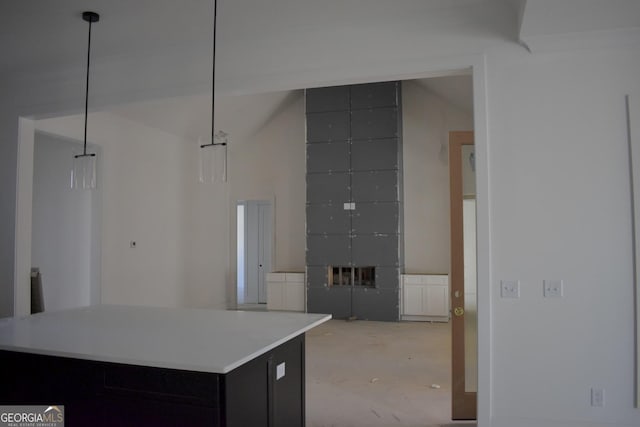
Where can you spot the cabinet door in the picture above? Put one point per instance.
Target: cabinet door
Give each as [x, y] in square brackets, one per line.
[436, 300]
[413, 300]
[275, 295]
[293, 296]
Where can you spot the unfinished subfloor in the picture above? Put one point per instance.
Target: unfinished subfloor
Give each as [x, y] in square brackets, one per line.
[364, 373]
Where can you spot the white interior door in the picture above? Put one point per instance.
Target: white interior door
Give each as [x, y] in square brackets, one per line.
[258, 246]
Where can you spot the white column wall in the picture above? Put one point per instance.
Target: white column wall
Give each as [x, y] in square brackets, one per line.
[560, 209]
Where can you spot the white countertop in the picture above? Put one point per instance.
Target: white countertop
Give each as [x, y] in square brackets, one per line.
[202, 340]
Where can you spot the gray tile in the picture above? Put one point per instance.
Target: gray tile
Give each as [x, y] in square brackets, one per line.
[375, 154]
[388, 277]
[328, 219]
[324, 127]
[375, 250]
[328, 250]
[370, 218]
[334, 300]
[328, 188]
[328, 157]
[374, 186]
[334, 98]
[375, 123]
[376, 304]
[317, 276]
[372, 95]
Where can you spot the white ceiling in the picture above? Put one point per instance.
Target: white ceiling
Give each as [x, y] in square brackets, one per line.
[189, 117]
[552, 17]
[457, 90]
[280, 37]
[41, 33]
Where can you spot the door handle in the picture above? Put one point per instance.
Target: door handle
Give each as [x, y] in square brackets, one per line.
[458, 311]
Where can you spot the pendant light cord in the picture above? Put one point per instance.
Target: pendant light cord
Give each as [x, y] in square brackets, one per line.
[86, 92]
[213, 82]
[213, 73]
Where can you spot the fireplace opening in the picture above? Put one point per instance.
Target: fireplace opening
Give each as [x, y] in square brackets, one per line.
[352, 276]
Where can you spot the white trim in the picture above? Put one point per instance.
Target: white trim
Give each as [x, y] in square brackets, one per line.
[483, 243]
[24, 202]
[582, 40]
[633, 117]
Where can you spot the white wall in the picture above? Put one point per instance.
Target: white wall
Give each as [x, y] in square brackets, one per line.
[560, 209]
[183, 228]
[143, 200]
[63, 224]
[427, 120]
[271, 165]
[207, 278]
[8, 183]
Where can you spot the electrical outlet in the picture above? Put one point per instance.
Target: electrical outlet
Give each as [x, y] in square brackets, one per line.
[552, 288]
[597, 397]
[510, 288]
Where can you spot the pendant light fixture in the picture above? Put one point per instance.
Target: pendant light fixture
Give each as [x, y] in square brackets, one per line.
[213, 155]
[83, 174]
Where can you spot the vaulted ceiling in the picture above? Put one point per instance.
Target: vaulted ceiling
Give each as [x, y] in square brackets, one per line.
[287, 36]
[45, 33]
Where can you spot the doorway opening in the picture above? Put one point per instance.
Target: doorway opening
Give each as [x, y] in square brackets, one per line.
[431, 109]
[254, 243]
[65, 239]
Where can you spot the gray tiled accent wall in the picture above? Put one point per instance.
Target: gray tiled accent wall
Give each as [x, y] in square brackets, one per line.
[354, 155]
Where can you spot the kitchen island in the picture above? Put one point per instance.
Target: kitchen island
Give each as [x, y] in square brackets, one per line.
[126, 365]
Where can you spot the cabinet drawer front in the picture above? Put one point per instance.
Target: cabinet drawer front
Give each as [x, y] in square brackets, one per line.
[276, 277]
[412, 279]
[295, 277]
[439, 279]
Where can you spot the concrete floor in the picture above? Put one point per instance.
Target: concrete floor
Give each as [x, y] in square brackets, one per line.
[378, 374]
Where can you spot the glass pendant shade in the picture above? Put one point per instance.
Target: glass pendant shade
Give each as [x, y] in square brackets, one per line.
[83, 173]
[213, 163]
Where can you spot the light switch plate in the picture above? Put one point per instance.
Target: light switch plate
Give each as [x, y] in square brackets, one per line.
[552, 288]
[597, 397]
[510, 288]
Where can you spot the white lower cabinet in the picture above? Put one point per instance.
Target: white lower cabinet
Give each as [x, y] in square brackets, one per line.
[425, 297]
[285, 291]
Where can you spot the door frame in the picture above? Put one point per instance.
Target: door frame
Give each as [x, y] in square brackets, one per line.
[463, 403]
[268, 244]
